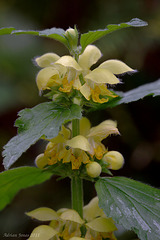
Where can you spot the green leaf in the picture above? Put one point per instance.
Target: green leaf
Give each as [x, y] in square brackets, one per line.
[12, 181]
[54, 33]
[133, 204]
[92, 36]
[8, 30]
[44, 119]
[152, 88]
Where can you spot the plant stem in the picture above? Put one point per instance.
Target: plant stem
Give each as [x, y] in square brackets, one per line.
[76, 181]
[75, 127]
[77, 194]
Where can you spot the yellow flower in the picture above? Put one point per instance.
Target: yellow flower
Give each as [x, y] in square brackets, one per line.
[96, 80]
[58, 71]
[88, 143]
[57, 150]
[66, 223]
[66, 73]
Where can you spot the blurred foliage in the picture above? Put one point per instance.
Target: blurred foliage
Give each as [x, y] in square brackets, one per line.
[139, 122]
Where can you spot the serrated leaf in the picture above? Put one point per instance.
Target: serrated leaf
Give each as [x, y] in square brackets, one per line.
[12, 181]
[43, 119]
[54, 33]
[132, 204]
[140, 92]
[92, 36]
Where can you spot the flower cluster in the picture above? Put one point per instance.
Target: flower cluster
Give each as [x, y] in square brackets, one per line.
[81, 149]
[67, 224]
[65, 74]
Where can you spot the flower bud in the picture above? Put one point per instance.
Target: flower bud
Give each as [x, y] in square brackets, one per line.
[72, 36]
[93, 169]
[70, 31]
[114, 159]
[41, 161]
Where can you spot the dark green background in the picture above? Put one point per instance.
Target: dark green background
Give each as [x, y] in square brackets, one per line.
[138, 123]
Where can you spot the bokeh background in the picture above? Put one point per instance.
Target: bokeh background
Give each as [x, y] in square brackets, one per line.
[138, 122]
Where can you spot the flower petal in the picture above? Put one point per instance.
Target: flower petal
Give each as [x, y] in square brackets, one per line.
[116, 66]
[102, 225]
[69, 61]
[46, 77]
[92, 210]
[103, 130]
[77, 84]
[101, 75]
[46, 60]
[43, 214]
[79, 142]
[89, 57]
[72, 215]
[86, 91]
[42, 232]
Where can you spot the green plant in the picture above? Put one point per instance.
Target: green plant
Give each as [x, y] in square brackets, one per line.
[74, 148]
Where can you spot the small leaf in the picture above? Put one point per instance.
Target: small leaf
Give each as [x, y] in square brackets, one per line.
[12, 181]
[133, 204]
[44, 119]
[92, 36]
[140, 92]
[54, 33]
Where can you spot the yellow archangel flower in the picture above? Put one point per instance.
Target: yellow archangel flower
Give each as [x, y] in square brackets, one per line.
[67, 73]
[66, 223]
[79, 149]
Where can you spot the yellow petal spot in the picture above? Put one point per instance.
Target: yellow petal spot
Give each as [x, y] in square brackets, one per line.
[66, 86]
[95, 95]
[76, 162]
[116, 66]
[68, 156]
[99, 152]
[105, 91]
[47, 59]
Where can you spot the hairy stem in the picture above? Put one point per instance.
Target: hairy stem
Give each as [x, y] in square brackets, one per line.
[76, 181]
